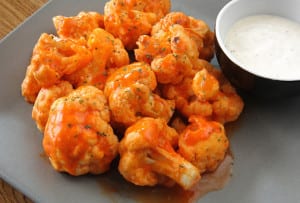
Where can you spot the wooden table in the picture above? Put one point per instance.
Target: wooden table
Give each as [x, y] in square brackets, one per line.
[12, 13]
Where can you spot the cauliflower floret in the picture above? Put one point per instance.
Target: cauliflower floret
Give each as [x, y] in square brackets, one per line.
[147, 156]
[129, 19]
[186, 101]
[205, 86]
[227, 107]
[176, 44]
[108, 54]
[130, 74]
[182, 43]
[172, 68]
[177, 34]
[30, 87]
[77, 137]
[44, 100]
[151, 47]
[203, 143]
[207, 93]
[78, 27]
[52, 58]
[196, 29]
[130, 95]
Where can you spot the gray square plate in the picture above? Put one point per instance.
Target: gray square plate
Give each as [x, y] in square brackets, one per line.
[265, 140]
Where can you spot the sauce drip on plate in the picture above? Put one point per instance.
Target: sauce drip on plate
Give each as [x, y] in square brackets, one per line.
[117, 189]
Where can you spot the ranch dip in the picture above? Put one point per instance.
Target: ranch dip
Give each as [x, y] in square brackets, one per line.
[267, 45]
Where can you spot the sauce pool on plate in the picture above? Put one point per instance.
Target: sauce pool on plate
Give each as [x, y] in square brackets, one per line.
[267, 45]
[116, 188]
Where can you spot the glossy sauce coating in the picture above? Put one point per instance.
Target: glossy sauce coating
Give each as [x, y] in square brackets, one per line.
[147, 156]
[44, 100]
[78, 138]
[52, 58]
[148, 101]
[130, 95]
[108, 54]
[203, 143]
[128, 19]
[78, 27]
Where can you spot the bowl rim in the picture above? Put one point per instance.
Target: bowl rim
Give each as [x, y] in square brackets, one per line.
[228, 54]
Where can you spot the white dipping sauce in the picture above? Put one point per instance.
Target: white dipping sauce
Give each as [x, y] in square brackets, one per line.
[267, 45]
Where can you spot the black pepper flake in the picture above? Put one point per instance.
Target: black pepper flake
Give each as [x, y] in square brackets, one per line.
[101, 133]
[87, 126]
[149, 56]
[104, 73]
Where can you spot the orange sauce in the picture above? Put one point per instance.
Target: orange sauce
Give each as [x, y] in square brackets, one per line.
[151, 132]
[71, 134]
[199, 129]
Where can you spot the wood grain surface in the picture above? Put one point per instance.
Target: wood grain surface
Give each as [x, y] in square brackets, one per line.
[12, 13]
